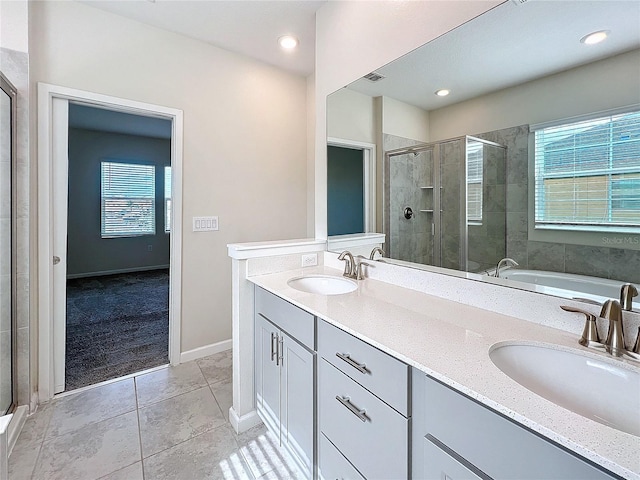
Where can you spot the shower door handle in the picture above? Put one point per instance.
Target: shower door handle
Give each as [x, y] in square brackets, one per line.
[56, 260]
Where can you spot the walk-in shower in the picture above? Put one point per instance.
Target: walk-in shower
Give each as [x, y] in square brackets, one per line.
[7, 246]
[444, 203]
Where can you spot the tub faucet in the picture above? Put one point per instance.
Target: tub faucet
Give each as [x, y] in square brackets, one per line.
[374, 251]
[627, 292]
[505, 262]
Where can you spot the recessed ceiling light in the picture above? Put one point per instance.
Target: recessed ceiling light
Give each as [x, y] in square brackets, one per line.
[595, 37]
[443, 92]
[288, 42]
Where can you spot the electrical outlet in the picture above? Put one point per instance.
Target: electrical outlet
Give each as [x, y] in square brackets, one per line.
[310, 260]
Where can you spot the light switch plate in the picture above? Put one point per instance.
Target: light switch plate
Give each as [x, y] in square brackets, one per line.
[205, 224]
[310, 260]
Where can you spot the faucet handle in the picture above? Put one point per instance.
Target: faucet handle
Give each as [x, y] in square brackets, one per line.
[359, 271]
[590, 335]
[627, 292]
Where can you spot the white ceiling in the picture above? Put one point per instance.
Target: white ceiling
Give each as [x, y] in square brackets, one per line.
[248, 27]
[507, 46]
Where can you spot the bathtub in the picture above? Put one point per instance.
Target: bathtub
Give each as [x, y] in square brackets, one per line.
[593, 288]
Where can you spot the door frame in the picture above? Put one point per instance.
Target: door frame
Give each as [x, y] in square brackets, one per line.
[369, 181]
[46, 142]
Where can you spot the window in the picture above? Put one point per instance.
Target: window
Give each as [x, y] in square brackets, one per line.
[167, 199]
[587, 174]
[128, 199]
[474, 182]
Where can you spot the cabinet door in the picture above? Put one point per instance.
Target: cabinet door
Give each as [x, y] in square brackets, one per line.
[298, 409]
[267, 374]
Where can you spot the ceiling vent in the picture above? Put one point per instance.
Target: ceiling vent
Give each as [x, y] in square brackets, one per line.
[520, 2]
[373, 77]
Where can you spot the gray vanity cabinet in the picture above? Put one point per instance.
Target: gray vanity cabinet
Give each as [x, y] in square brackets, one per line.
[285, 376]
[457, 438]
[364, 413]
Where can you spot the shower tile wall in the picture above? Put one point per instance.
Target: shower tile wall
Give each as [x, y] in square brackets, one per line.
[601, 261]
[15, 66]
[486, 243]
[409, 239]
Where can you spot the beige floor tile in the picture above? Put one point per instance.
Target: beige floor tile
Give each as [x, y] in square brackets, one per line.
[260, 449]
[167, 423]
[217, 367]
[91, 452]
[168, 382]
[212, 455]
[223, 391]
[78, 410]
[132, 472]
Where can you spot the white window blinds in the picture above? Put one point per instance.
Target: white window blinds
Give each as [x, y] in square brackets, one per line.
[474, 182]
[128, 199]
[587, 174]
[167, 199]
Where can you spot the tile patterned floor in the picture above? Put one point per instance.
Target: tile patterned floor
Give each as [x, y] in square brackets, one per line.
[167, 424]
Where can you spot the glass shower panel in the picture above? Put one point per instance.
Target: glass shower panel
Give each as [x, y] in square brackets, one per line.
[6, 343]
[411, 186]
[453, 205]
[486, 200]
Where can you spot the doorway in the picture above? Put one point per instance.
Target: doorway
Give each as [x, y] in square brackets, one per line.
[118, 244]
[58, 249]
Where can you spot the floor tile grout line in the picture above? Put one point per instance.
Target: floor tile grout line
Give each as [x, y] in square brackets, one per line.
[135, 386]
[187, 440]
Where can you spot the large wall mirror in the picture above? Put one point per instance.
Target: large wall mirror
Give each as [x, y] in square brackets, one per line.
[516, 136]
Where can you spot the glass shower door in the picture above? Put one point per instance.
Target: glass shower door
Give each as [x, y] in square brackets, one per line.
[7, 323]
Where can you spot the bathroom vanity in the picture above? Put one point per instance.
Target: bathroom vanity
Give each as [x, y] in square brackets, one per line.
[388, 382]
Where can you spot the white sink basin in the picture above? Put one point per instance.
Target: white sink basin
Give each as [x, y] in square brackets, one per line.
[323, 284]
[601, 390]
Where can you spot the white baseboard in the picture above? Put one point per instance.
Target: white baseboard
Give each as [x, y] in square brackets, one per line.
[15, 427]
[244, 423]
[205, 351]
[103, 273]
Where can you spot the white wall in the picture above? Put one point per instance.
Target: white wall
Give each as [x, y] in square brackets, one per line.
[602, 85]
[244, 136]
[355, 38]
[350, 116]
[404, 120]
[14, 17]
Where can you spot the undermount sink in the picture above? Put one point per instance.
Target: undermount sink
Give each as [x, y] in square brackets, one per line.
[323, 284]
[605, 391]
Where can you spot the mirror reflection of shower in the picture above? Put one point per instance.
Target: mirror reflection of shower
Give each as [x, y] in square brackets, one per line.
[7, 247]
[456, 189]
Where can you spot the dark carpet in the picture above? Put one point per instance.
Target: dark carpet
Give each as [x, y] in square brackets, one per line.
[116, 325]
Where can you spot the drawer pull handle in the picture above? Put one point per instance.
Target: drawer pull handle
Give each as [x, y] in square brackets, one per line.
[274, 353]
[361, 367]
[360, 413]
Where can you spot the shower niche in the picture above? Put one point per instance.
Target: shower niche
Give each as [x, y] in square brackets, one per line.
[456, 189]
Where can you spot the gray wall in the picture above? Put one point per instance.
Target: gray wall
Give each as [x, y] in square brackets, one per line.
[598, 261]
[87, 253]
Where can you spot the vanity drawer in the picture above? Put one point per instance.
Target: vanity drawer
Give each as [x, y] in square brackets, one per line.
[378, 372]
[369, 433]
[333, 465]
[497, 446]
[293, 320]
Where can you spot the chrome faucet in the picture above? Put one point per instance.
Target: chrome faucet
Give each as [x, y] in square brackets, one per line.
[614, 344]
[349, 265]
[374, 251]
[615, 341]
[352, 268]
[627, 292]
[505, 262]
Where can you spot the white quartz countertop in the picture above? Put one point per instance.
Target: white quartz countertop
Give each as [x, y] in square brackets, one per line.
[450, 342]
